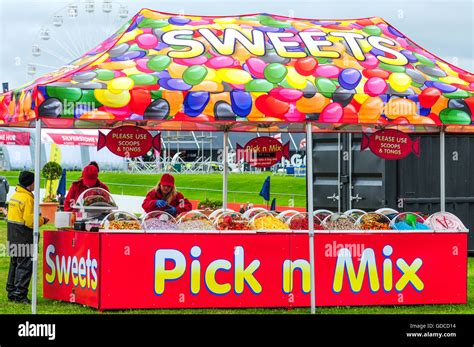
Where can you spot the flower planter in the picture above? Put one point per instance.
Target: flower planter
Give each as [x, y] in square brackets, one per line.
[48, 210]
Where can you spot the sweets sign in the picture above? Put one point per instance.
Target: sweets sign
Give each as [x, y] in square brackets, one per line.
[129, 141]
[390, 144]
[263, 151]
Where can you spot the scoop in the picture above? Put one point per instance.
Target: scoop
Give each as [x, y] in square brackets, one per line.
[411, 220]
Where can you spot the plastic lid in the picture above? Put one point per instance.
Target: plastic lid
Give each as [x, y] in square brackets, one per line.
[445, 221]
[158, 220]
[120, 220]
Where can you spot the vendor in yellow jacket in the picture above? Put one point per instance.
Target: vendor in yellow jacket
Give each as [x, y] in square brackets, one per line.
[20, 238]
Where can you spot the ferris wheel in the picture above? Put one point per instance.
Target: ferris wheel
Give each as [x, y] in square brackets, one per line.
[72, 31]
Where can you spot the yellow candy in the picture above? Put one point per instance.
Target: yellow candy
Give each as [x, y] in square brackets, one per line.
[153, 15]
[132, 71]
[361, 98]
[451, 79]
[176, 70]
[294, 79]
[207, 86]
[226, 20]
[100, 60]
[399, 81]
[129, 36]
[364, 45]
[118, 85]
[118, 65]
[234, 76]
[371, 110]
[107, 98]
[212, 76]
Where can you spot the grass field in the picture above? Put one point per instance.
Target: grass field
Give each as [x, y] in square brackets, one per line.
[57, 307]
[194, 186]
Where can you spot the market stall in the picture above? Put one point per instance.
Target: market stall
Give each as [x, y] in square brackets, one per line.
[254, 73]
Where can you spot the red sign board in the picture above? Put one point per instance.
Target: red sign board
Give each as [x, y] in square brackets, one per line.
[73, 139]
[14, 138]
[263, 151]
[129, 141]
[264, 269]
[390, 144]
[71, 267]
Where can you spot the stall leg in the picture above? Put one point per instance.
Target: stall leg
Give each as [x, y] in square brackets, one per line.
[225, 170]
[442, 170]
[36, 213]
[309, 183]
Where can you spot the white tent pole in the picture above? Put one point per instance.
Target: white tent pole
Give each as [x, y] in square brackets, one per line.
[442, 170]
[36, 213]
[309, 183]
[226, 170]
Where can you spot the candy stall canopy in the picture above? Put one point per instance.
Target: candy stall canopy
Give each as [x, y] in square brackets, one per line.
[256, 72]
[248, 73]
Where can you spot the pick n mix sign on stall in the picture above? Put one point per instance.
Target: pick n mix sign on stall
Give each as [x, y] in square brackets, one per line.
[116, 270]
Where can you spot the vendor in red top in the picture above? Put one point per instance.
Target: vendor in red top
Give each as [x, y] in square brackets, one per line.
[88, 180]
[164, 197]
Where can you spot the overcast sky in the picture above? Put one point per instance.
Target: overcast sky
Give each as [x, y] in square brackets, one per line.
[445, 28]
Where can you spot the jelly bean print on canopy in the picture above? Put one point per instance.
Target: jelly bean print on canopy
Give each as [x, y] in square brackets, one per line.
[251, 73]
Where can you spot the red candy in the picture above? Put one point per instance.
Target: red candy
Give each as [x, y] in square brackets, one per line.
[270, 106]
[428, 97]
[306, 66]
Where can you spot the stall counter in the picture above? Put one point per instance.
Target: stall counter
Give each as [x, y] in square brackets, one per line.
[125, 270]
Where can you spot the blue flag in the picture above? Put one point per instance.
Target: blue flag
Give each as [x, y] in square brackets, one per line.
[265, 191]
[62, 184]
[274, 205]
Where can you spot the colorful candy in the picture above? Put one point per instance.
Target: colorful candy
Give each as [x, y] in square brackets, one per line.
[243, 57]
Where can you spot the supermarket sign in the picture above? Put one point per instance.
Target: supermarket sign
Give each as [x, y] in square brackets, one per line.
[234, 270]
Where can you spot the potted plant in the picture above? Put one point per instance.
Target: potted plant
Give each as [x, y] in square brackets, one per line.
[51, 171]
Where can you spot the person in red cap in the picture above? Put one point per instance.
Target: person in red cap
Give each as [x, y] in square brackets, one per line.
[88, 180]
[164, 197]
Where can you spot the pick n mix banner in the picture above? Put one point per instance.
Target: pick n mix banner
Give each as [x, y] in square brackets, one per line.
[265, 270]
[260, 68]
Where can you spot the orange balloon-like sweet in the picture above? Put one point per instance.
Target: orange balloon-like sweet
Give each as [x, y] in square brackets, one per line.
[371, 110]
[314, 104]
